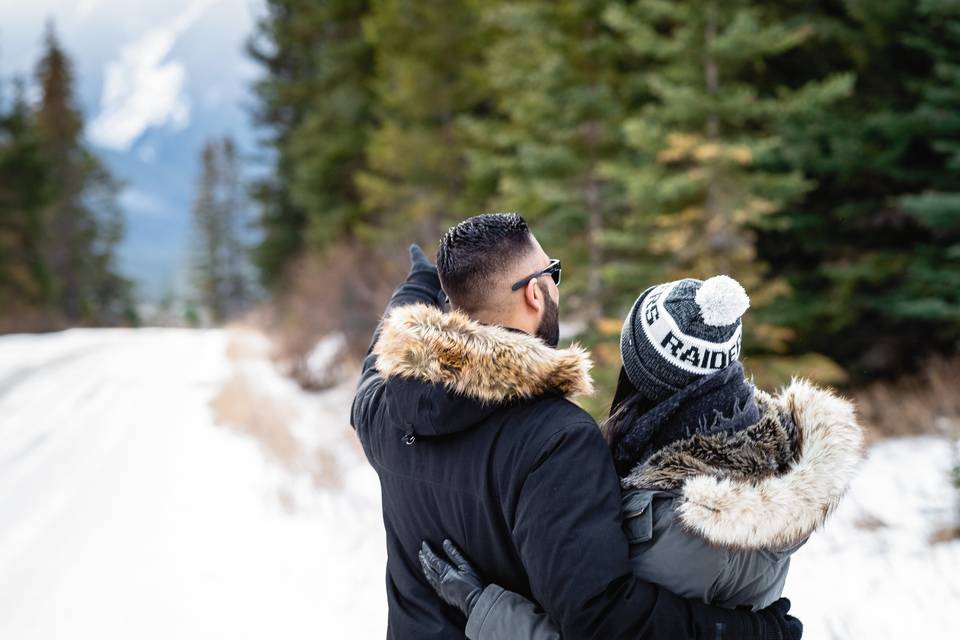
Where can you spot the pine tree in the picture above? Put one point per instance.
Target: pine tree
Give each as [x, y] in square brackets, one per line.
[930, 290]
[707, 140]
[426, 54]
[315, 102]
[82, 220]
[861, 260]
[239, 282]
[60, 125]
[25, 284]
[218, 262]
[560, 92]
[206, 260]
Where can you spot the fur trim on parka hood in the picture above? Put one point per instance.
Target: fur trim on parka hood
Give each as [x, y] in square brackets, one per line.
[490, 364]
[771, 485]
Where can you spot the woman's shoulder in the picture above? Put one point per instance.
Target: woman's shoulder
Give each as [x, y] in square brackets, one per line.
[768, 487]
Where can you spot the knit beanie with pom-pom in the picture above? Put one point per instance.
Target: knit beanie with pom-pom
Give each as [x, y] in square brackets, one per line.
[678, 332]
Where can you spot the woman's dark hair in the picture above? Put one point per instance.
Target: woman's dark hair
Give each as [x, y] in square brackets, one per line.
[625, 390]
[628, 405]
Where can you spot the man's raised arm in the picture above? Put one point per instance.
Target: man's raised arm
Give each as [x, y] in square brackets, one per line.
[421, 286]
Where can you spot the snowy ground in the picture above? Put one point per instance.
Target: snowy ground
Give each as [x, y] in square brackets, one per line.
[127, 511]
[872, 572]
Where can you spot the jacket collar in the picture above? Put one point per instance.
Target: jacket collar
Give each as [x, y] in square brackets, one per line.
[490, 364]
[770, 486]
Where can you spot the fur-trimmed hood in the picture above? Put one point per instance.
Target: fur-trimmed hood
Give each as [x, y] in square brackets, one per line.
[769, 486]
[489, 364]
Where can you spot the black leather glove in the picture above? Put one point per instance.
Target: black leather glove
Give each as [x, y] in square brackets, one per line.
[457, 584]
[419, 260]
[423, 274]
[421, 269]
[778, 624]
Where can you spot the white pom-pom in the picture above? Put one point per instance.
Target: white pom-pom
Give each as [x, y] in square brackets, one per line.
[722, 300]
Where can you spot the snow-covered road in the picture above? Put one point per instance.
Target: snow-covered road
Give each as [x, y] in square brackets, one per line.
[126, 511]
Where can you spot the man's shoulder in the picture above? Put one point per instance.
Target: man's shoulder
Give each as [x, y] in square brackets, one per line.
[539, 423]
[553, 410]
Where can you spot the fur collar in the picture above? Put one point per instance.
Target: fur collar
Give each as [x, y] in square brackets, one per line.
[487, 363]
[770, 486]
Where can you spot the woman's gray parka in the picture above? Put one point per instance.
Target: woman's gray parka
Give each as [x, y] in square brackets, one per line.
[709, 518]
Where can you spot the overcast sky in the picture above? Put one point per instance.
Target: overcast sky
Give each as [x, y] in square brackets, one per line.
[155, 79]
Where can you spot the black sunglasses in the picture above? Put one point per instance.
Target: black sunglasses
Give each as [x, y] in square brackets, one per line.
[552, 270]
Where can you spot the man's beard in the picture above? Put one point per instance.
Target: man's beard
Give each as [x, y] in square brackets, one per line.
[549, 329]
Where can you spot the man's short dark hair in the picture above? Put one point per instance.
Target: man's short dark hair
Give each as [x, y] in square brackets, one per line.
[474, 252]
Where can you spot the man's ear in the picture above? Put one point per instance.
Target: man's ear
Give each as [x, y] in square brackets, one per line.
[533, 296]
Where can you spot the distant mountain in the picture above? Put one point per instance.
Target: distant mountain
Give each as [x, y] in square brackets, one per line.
[155, 80]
